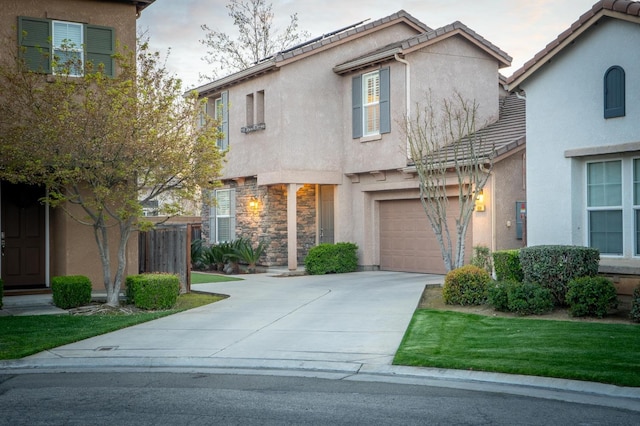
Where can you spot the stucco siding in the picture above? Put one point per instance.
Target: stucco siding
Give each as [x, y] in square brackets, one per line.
[565, 111]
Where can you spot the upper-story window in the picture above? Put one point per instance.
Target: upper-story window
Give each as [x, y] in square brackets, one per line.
[255, 112]
[614, 103]
[50, 46]
[222, 117]
[370, 102]
[68, 39]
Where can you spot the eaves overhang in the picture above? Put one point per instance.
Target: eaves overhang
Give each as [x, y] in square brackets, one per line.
[565, 39]
[233, 79]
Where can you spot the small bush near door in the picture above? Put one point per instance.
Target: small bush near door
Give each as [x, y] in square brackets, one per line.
[332, 258]
[153, 291]
[71, 291]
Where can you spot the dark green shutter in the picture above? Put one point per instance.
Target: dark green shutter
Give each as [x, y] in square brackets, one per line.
[100, 47]
[356, 101]
[385, 94]
[614, 103]
[34, 37]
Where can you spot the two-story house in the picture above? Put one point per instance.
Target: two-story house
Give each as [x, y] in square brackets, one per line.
[38, 242]
[583, 137]
[318, 151]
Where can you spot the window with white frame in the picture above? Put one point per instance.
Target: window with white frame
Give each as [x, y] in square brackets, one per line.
[371, 114]
[636, 204]
[61, 47]
[68, 39]
[222, 218]
[371, 103]
[605, 206]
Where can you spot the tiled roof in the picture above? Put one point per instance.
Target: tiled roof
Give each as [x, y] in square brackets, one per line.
[318, 43]
[416, 42]
[602, 8]
[496, 139]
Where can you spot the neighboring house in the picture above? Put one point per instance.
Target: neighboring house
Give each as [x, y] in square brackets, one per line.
[583, 138]
[38, 242]
[317, 149]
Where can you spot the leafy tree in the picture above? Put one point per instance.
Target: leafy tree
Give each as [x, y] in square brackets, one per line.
[103, 146]
[449, 153]
[257, 38]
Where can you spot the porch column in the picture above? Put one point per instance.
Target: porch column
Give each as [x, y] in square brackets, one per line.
[292, 226]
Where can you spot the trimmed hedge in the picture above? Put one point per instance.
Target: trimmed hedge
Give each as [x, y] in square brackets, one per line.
[332, 258]
[507, 265]
[71, 291]
[520, 298]
[466, 286]
[591, 296]
[153, 291]
[529, 298]
[554, 266]
[635, 305]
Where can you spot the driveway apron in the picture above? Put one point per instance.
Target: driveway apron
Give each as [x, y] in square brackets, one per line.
[346, 319]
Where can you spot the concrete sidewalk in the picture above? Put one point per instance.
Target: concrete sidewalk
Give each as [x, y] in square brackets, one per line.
[345, 326]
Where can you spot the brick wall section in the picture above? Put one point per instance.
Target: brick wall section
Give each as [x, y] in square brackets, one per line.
[268, 221]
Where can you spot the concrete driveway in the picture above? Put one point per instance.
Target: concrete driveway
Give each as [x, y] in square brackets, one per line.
[329, 322]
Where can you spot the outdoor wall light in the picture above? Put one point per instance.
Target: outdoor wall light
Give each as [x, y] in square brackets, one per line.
[253, 203]
[480, 201]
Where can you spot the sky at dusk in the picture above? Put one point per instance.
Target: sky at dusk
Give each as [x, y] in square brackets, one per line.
[519, 27]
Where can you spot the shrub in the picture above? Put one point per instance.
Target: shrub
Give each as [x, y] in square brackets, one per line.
[635, 305]
[554, 266]
[591, 296]
[71, 291]
[466, 286]
[1, 292]
[498, 294]
[197, 254]
[482, 258]
[248, 254]
[332, 258]
[507, 265]
[529, 298]
[153, 291]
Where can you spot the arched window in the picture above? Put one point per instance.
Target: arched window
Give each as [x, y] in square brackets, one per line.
[614, 92]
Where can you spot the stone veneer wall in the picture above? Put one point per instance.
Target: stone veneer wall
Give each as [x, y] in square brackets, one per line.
[268, 221]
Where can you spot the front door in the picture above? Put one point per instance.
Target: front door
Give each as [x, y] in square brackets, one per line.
[326, 214]
[23, 236]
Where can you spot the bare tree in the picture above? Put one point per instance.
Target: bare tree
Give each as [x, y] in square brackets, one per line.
[257, 39]
[448, 153]
[98, 143]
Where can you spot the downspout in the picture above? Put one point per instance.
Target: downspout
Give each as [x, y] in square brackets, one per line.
[407, 97]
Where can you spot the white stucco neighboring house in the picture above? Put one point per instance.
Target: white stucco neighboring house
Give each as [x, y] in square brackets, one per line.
[583, 138]
[317, 149]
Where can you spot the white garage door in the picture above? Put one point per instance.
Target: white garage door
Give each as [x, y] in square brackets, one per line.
[407, 242]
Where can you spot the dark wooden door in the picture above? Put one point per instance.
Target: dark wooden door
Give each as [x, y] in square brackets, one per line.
[23, 236]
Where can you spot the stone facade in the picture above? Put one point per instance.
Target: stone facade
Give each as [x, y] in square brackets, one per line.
[266, 219]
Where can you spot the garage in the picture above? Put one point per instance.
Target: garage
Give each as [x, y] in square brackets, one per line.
[407, 242]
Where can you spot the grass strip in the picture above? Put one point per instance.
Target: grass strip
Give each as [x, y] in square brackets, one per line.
[606, 353]
[21, 336]
[203, 278]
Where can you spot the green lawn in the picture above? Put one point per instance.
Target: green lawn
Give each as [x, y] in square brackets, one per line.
[606, 353]
[203, 278]
[21, 336]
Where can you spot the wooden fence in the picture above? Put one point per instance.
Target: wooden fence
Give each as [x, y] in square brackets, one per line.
[167, 248]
